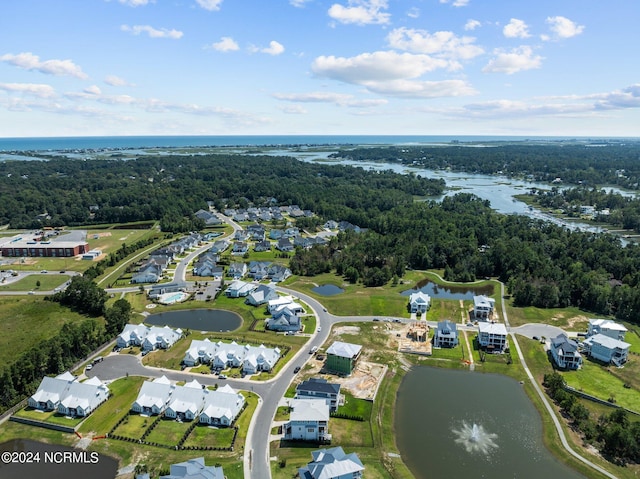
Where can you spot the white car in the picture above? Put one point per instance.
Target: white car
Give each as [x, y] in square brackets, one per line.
[89, 367]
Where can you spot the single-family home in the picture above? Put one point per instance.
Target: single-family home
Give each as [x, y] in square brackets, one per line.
[151, 274]
[153, 396]
[194, 469]
[284, 245]
[342, 357]
[276, 234]
[258, 270]
[331, 225]
[209, 218]
[68, 396]
[239, 248]
[492, 336]
[284, 301]
[320, 388]
[483, 307]
[309, 421]
[241, 235]
[185, 402]
[264, 245]
[239, 289]
[222, 406]
[332, 463]
[262, 295]
[219, 246]
[565, 352]
[284, 320]
[419, 302]
[278, 272]
[446, 335]
[607, 327]
[237, 270]
[607, 349]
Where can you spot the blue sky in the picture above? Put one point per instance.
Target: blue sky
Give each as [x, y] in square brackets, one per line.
[242, 67]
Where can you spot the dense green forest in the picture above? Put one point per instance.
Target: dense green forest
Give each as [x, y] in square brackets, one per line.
[596, 163]
[77, 192]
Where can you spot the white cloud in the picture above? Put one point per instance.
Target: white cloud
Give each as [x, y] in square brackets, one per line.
[516, 29]
[621, 99]
[456, 3]
[471, 24]
[442, 44]
[413, 12]
[298, 3]
[210, 5]
[391, 73]
[93, 90]
[517, 60]
[361, 12]
[35, 89]
[274, 48]
[136, 3]
[562, 27]
[114, 80]
[29, 61]
[293, 109]
[152, 32]
[339, 99]
[226, 44]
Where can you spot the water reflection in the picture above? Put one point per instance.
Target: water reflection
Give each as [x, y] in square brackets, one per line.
[327, 290]
[449, 292]
[197, 319]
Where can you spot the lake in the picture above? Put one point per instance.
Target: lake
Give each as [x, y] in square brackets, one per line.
[217, 320]
[327, 290]
[452, 424]
[54, 462]
[449, 292]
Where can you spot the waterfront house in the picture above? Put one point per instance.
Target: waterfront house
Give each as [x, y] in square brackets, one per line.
[419, 302]
[262, 295]
[332, 463]
[483, 307]
[607, 349]
[492, 336]
[446, 335]
[564, 352]
[309, 421]
[320, 388]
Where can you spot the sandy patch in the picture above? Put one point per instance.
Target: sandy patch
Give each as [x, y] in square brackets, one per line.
[338, 330]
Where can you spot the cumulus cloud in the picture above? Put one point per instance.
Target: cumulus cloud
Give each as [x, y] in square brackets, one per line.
[442, 44]
[226, 44]
[562, 27]
[361, 12]
[471, 24]
[299, 3]
[35, 89]
[210, 5]
[391, 73]
[274, 48]
[621, 99]
[456, 3]
[29, 61]
[93, 90]
[514, 61]
[516, 29]
[152, 32]
[339, 99]
[114, 80]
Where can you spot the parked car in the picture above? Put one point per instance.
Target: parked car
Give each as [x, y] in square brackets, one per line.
[222, 376]
[89, 367]
[313, 349]
[296, 370]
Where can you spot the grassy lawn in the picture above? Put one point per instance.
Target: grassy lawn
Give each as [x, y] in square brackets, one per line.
[123, 392]
[32, 320]
[134, 426]
[282, 413]
[48, 282]
[348, 433]
[204, 435]
[168, 431]
[52, 417]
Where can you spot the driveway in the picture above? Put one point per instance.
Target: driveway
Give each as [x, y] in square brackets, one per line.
[539, 330]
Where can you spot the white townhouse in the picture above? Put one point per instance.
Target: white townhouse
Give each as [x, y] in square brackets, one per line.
[68, 396]
[148, 337]
[153, 396]
[492, 336]
[483, 307]
[185, 402]
[309, 421]
[607, 349]
[219, 355]
[565, 352]
[419, 302]
[607, 327]
[222, 406]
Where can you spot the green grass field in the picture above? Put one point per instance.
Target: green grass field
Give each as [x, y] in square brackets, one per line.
[48, 282]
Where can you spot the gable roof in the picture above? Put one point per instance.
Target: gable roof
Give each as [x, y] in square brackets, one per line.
[345, 350]
[309, 410]
[331, 463]
[318, 385]
[607, 342]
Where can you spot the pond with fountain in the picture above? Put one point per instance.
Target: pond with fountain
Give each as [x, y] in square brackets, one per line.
[453, 424]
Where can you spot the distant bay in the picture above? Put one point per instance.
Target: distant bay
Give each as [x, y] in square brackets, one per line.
[127, 142]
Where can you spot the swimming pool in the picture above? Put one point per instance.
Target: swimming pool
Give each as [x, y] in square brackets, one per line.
[171, 298]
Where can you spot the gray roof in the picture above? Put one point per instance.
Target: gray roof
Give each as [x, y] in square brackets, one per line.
[345, 350]
[194, 469]
[562, 341]
[318, 385]
[607, 342]
[331, 463]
